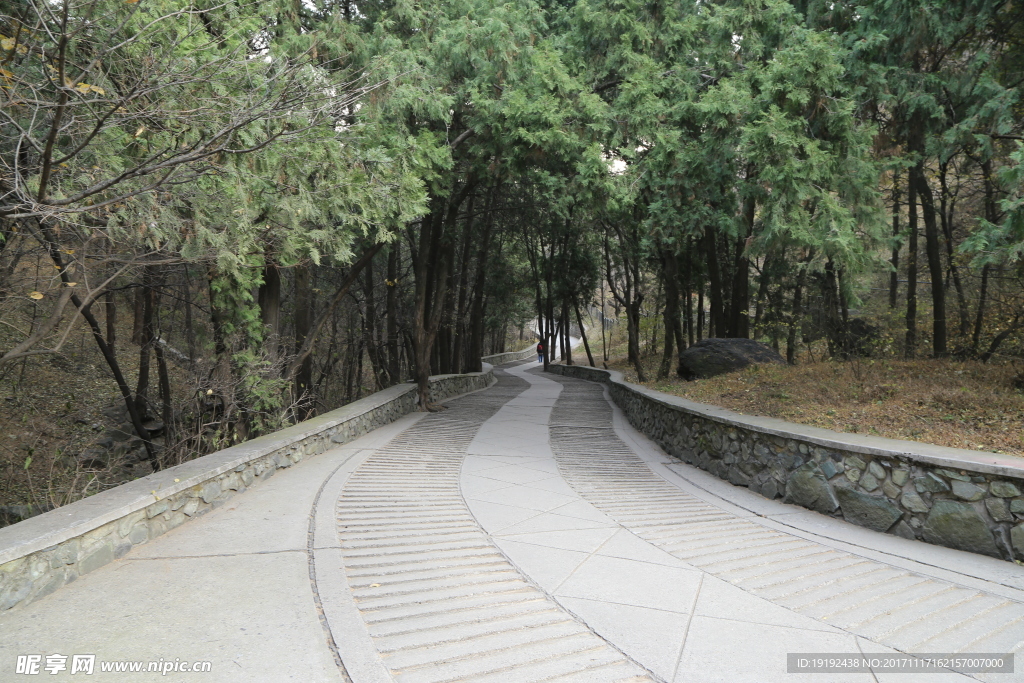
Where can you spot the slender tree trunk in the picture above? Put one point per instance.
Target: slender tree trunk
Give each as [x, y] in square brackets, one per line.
[833, 321]
[604, 343]
[303, 320]
[688, 294]
[138, 312]
[167, 407]
[946, 214]
[374, 349]
[110, 315]
[670, 276]
[566, 325]
[700, 310]
[149, 283]
[269, 298]
[583, 335]
[798, 310]
[459, 361]
[933, 251]
[740, 299]
[391, 302]
[476, 306]
[991, 217]
[717, 322]
[911, 338]
[894, 260]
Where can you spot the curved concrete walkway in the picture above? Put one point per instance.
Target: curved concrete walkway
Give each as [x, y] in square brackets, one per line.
[525, 534]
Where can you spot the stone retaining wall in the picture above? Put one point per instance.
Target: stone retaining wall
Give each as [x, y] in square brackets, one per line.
[43, 553]
[508, 357]
[969, 500]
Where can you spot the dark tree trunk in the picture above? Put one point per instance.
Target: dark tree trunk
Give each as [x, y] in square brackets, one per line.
[933, 251]
[688, 294]
[167, 412]
[394, 365]
[110, 313]
[459, 360]
[373, 348]
[700, 310]
[894, 276]
[798, 311]
[303, 320]
[911, 338]
[269, 298]
[834, 329]
[476, 312]
[138, 313]
[147, 337]
[583, 335]
[946, 214]
[673, 330]
[740, 299]
[717, 323]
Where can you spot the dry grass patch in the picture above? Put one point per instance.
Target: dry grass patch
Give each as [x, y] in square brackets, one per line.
[943, 402]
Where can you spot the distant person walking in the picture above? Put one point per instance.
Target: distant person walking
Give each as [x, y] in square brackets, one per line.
[540, 352]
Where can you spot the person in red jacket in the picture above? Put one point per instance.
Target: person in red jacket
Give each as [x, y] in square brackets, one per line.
[540, 352]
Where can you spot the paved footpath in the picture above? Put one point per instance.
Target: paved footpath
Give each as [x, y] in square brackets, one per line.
[527, 533]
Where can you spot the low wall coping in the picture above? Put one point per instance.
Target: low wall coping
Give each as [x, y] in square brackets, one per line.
[944, 456]
[79, 518]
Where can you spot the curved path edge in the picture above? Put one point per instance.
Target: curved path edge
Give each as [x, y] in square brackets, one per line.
[965, 500]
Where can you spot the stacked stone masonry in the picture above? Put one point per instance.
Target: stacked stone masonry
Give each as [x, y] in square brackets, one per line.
[510, 356]
[33, 574]
[958, 507]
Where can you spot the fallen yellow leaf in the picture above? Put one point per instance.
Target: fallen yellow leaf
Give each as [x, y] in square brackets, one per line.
[35, 295]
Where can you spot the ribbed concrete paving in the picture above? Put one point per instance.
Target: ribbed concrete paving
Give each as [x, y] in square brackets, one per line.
[524, 534]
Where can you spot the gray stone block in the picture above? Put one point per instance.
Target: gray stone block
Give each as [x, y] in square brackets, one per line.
[903, 530]
[210, 491]
[139, 534]
[967, 491]
[998, 509]
[828, 468]
[96, 558]
[890, 489]
[1004, 489]
[914, 502]
[808, 488]
[873, 512]
[930, 483]
[958, 525]
[157, 508]
[876, 469]
[869, 482]
[1016, 540]
[900, 477]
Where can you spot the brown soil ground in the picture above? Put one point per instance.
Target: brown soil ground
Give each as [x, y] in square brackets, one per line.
[943, 402]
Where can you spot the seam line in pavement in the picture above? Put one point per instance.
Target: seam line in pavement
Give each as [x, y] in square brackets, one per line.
[328, 635]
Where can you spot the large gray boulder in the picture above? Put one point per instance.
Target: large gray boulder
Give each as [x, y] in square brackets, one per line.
[710, 357]
[958, 525]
